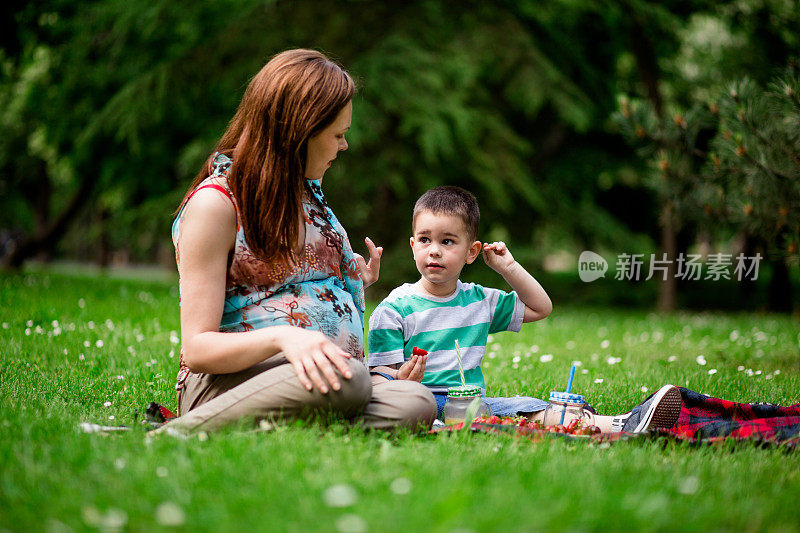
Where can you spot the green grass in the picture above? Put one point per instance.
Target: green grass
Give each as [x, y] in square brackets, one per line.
[54, 477]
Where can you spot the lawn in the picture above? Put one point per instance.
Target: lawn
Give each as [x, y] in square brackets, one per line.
[94, 349]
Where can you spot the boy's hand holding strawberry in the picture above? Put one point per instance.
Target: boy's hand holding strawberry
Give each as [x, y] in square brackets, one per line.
[414, 368]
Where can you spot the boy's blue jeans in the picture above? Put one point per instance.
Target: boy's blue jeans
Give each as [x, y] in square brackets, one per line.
[500, 406]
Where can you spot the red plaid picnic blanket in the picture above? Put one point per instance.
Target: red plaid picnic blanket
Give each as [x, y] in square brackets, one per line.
[703, 420]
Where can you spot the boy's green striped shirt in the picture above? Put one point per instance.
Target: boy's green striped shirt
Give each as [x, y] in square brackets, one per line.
[406, 319]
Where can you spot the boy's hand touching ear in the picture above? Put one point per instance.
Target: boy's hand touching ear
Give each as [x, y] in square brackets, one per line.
[497, 256]
[369, 271]
[537, 303]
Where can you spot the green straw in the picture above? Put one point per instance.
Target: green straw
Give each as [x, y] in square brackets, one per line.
[460, 368]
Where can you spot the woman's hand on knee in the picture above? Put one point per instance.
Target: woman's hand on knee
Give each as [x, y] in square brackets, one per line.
[315, 357]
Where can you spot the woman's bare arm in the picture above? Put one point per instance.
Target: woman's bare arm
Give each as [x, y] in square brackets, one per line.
[207, 235]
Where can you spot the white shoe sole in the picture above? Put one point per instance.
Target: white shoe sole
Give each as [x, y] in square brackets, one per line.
[664, 410]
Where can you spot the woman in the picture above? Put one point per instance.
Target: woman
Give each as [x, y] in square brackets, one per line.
[272, 295]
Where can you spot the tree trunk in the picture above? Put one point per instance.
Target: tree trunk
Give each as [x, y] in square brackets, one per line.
[747, 285]
[103, 244]
[41, 205]
[647, 66]
[669, 246]
[48, 237]
[780, 287]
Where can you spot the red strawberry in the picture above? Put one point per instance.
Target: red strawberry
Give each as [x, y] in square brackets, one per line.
[418, 351]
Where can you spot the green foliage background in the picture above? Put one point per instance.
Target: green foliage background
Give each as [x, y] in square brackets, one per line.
[110, 107]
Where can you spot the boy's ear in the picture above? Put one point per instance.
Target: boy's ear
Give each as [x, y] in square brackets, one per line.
[474, 251]
[411, 242]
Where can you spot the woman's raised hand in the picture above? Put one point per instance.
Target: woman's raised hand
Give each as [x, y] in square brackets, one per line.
[413, 369]
[369, 271]
[313, 356]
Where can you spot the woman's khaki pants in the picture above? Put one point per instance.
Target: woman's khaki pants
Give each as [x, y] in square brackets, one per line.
[271, 390]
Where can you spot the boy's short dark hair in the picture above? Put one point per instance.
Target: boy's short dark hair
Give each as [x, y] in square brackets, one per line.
[451, 200]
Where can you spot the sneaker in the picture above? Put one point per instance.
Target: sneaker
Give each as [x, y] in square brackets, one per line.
[661, 410]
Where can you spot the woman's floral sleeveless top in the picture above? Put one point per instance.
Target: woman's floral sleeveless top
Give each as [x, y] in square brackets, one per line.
[323, 291]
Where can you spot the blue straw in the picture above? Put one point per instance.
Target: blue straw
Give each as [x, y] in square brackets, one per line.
[571, 375]
[569, 388]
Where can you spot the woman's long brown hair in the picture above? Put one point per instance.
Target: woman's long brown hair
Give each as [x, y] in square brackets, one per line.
[294, 96]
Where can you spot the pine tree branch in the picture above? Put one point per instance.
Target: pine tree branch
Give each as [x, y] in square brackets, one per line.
[773, 173]
[753, 130]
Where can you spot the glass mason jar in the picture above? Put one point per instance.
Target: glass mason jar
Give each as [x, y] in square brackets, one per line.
[563, 407]
[459, 400]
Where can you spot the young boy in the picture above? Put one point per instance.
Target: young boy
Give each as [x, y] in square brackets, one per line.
[439, 309]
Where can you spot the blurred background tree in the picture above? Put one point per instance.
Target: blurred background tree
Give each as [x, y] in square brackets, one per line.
[698, 167]
[755, 165]
[109, 108]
